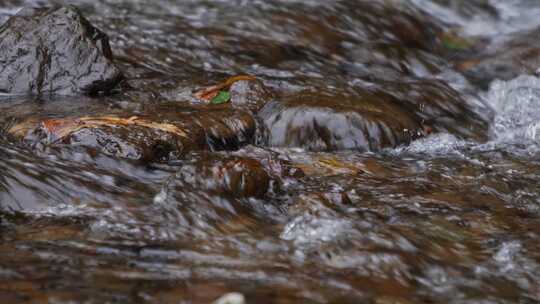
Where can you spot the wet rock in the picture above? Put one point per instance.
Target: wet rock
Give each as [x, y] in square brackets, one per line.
[242, 91]
[370, 118]
[227, 129]
[277, 164]
[54, 51]
[440, 108]
[322, 121]
[216, 193]
[161, 133]
[504, 60]
[233, 176]
[252, 95]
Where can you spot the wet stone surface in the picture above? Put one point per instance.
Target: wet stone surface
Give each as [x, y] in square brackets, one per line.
[252, 95]
[303, 151]
[333, 122]
[55, 51]
[166, 132]
[234, 176]
[369, 117]
[513, 56]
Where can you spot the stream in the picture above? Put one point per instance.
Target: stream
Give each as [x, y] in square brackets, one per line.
[309, 197]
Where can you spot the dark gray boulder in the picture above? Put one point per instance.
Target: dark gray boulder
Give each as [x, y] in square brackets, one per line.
[55, 51]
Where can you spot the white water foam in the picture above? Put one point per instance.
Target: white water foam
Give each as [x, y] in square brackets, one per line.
[516, 122]
[309, 230]
[517, 110]
[435, 144]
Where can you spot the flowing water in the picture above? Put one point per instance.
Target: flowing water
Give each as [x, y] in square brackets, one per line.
[446, 219]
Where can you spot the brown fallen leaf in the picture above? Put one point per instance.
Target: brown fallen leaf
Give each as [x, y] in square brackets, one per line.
[210, 92]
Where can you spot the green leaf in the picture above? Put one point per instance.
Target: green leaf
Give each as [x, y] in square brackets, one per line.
[221, 97]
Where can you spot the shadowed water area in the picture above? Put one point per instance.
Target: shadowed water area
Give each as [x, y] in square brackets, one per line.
[379, 152]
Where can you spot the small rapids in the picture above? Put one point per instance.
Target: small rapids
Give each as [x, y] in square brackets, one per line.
[515, 103]
[514, 127]
[446, 210]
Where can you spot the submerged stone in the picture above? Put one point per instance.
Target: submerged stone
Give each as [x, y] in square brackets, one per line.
[249, 94]
[243, 91]
[55, 51]
[369, 118]
[440, 108]
[240, 177]
[219, 192]
[324, 122]
[505, 60]
[159, 134]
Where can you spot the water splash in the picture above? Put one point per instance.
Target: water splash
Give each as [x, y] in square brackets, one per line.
[515, 126]
[435, 144]
[516, 104]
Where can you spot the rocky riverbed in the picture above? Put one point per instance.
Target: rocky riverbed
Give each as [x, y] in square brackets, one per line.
[305, 151]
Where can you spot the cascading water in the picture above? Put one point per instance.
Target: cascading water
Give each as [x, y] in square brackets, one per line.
[443, 210]
[516, 103]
